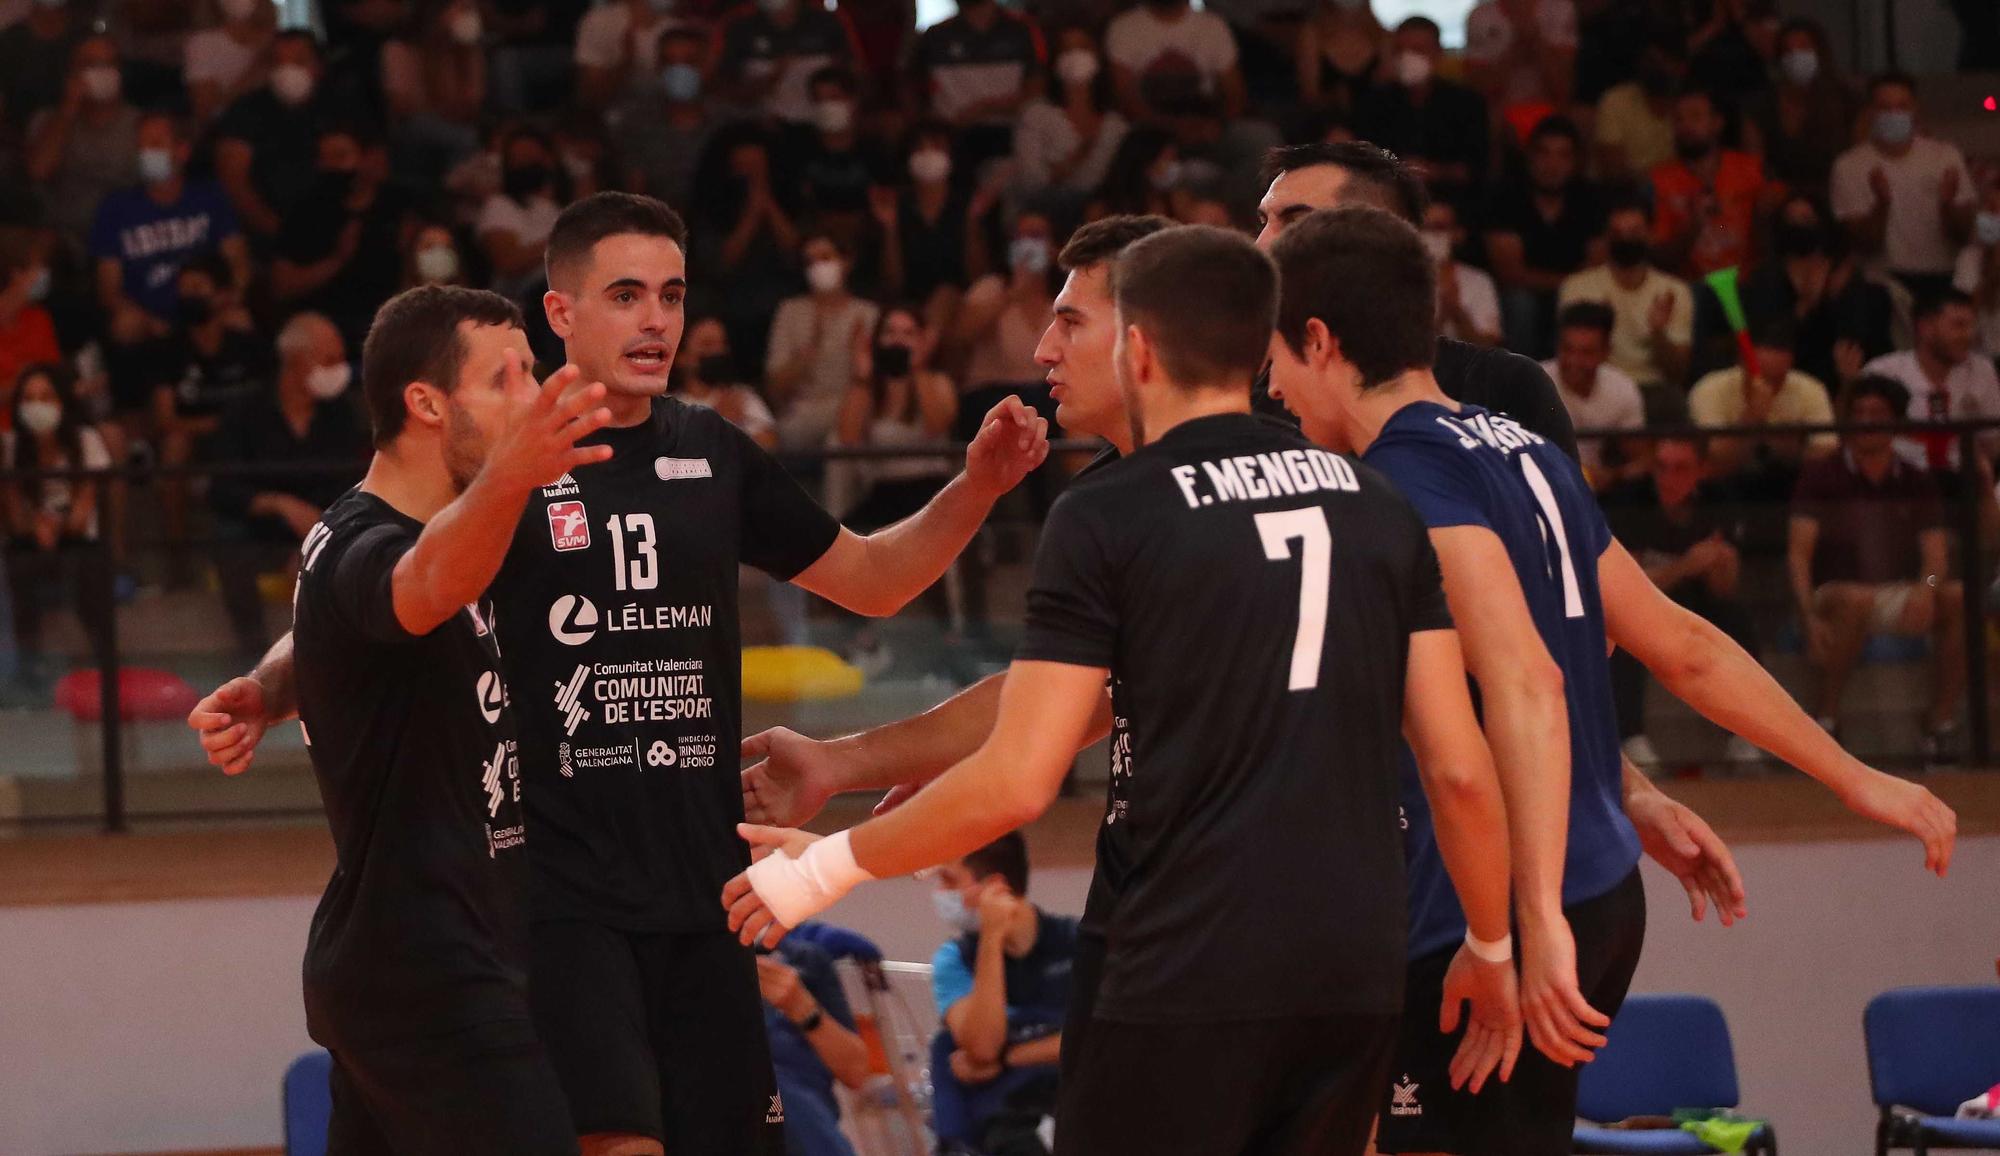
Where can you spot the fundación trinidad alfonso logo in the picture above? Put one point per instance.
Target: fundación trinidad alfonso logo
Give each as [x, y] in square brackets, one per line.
[569, 526]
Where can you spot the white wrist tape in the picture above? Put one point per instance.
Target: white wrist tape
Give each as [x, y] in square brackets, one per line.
[797, 889]
[1491, 950]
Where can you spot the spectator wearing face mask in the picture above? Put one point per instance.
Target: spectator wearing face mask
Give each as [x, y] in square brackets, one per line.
[144, 235]
[1002, 319]
[340, 252]
[1065, 141]
[34, 59]
[1944, 378]
[1635, 126]
[1707, 200]
[928, 236]
[1175, 68]
[1540, 230]
[515, 222]
[835, 165]
[53, 522]
[1843, 318]
[766, 53]
[1468, 302]
[27, 332]
[307, 421]
[705, 374]
[230, 58]
[664, 128]
[1002, 987]
[809, 360]
[1907, 199]
[267, 141]
[1806, 118]
[978, 68]
[88, 145]
[434, 85]
[896, 400]
[1652, 311]
[617, 49]
[1978, 273]
[1438, 127]
[434, 257]
[1597, 394]
[1522, 53]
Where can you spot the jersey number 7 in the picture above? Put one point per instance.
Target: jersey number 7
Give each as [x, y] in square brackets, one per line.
[1278, 529]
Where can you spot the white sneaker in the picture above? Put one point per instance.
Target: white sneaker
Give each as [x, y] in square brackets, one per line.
[1640, 750]
[1741, 750]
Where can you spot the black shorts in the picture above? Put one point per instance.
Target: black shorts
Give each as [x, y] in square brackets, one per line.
[489, 1089]
[1534, 1113]
[1305, 1086]
[657, 1034]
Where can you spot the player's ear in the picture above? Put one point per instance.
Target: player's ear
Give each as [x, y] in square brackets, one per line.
[1322, 348]
[556, 308]
[1138, 354]
[425, 403]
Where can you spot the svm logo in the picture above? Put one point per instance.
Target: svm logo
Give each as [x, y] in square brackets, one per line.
[1403, 1098]
[569, 526]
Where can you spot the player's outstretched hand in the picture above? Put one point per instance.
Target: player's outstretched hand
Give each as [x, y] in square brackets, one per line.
[750, 915]
[1684, 843]
[538, 445]
[1562, 1024]
[1012, 441]
[231, 722]
[792, 779]
[1903, 804]
[1493, 1032]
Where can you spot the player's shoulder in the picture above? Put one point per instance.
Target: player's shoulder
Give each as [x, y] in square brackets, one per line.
[357, 522]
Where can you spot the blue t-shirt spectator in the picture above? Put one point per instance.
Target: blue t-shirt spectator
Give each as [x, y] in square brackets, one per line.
[1037, 983]
[805, 1083]
[152, 241]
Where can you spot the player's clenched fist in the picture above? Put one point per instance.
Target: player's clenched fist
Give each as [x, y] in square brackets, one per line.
[1012, 440]
[544, 423]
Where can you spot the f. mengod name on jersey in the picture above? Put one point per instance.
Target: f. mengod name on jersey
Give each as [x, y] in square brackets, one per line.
[1252, 477]
[1492, 429]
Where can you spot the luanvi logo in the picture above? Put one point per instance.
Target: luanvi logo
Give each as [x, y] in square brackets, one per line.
[1403, 1098]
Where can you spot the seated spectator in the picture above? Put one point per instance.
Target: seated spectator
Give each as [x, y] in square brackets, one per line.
[1339, 57]
[1978, 273]
[705, 374]
[1064, 143]
[514, 223]
[356, 30]
[1598, 395]
[88, 145]
[306, 422]
[1002, 319]
[52, 523]
[1635, 127]
[1736, 404]
[1806, 118]
[978, 69]
[617, 49]
[1652, 312]
[1843, 318]
[1869, 555]
[1707, 200]
[813, 1043]
[27, 332]
[1676, 528]
[663, 130]
[434, 84]
[745, 236]
[340, 252]
[229, 59]
[929, 242]
[1522, 53]
[1439, 128]
[1002, 987]
[1734, 52]
[267, 141]
[1542, 229]
[896, 399]
[434, 257]
[1144, 174]
[766, 55]
[144, 235]
[1943, 379]
[35, 59]
[534, 51]
[809, 362]
[1468, 302]
[1176, 68]
[836, 166]
[1905, 197]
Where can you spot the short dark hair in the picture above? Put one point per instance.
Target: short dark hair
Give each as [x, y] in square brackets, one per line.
[835, 74]
[1931, 304]
[303, 36]
[415, 337]
[1208, 336]
[1100, 241]
[1891, 79]
[1006, 857]
[1557, 125]
[608, 214]
[1382, 173]
[1698, 442]
[1365, 274]
[1421, 24]
[1587, 315]
[679, 32]
[1773, 329]
[1894, 392]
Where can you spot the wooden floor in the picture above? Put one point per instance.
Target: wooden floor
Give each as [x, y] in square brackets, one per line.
[295, 859]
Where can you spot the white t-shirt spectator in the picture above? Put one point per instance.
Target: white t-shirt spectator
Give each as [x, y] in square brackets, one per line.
[1195, 43]
[1915, 240]
[1045, 138]
[1479, 298]
[1489, 35]
[528, 224]
[813, 410]
[1971, 390]
[1614, 403]
[753, 417]
[605, 39]
[1631, 309]
[58, 494]
[1971, 263]
[214, 56]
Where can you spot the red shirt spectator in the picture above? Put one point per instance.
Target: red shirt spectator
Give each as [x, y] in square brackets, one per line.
[1705, 200]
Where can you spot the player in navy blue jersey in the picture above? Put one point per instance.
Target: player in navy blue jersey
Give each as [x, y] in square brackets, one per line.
[1537, 585]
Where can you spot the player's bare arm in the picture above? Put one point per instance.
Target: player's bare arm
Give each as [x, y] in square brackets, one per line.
[1707, 670]
[232, 719]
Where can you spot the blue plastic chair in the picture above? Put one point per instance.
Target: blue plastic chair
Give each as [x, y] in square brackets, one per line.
[308, 1104]
[1665, 1052]
[1929, 1050]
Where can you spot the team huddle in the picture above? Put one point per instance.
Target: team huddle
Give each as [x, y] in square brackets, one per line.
[1332, 901]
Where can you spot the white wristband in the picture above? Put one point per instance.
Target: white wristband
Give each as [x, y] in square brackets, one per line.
[1490, 950]
[797, 889]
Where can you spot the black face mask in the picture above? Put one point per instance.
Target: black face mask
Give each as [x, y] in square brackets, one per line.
[1629, 252]
[892, 361]
[338, 183]
[715, 368]
[1693, 150]
[524, 181]
[1657, 82]
[1795, 240]
[196, 311]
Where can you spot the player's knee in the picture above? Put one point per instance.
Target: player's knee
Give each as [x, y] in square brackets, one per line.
[619, 1144]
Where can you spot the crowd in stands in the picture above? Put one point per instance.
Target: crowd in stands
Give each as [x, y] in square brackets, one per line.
[202, 203]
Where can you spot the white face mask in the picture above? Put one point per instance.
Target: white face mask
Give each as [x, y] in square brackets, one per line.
[930, 165]
[825, 276]
[437, 264]
[101, 83]
[1800, 66]
[327, 382]
[1077, 67]
[239, 9]
[292, 83]
[1438, 244]
[41, 417]
[465, 27]
[833, 116]
[950, 907]
[1413, 69]
[1986, 227]
[156, 165]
